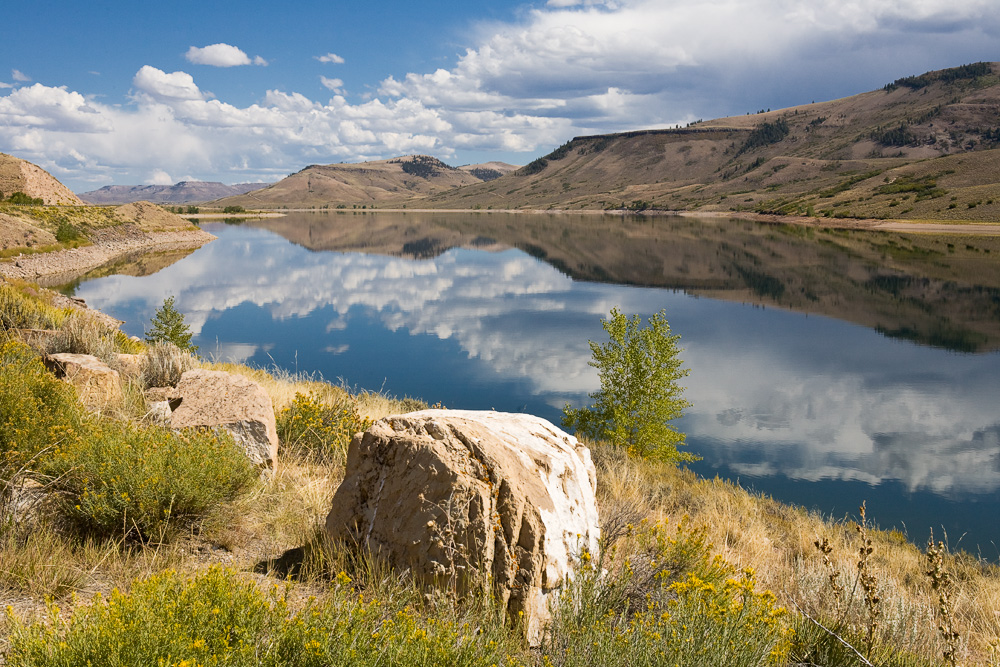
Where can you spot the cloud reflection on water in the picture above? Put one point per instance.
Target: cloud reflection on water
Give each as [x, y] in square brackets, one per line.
[773, 392]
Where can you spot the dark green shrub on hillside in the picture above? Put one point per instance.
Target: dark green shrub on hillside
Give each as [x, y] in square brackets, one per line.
[67, 233]
[960, 73]
[485, 174]
[894, 136]
[37, 412]
[20, 199]
[766, 134]
[234, 209]
[536, 166]
[418, 168]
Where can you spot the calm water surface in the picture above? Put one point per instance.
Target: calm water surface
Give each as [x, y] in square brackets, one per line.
[797, 391]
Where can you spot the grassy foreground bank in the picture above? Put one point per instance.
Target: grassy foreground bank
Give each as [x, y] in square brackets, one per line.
[124, 543]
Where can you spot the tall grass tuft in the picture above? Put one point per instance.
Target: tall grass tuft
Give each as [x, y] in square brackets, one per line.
[164, 365]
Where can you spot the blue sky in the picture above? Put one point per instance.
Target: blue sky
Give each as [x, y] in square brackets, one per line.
[129, 93]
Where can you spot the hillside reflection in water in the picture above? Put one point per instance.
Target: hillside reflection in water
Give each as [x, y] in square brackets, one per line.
[802, 406]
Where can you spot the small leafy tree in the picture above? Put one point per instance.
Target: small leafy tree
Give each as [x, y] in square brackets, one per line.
[169, 327]
[639, 396]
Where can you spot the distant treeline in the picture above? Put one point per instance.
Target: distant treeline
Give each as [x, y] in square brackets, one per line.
[971, 71]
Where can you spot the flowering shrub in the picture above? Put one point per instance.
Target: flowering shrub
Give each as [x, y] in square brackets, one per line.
[219, 618]
[320, 429]
[146, 480]
[37, 411]
[694, 610]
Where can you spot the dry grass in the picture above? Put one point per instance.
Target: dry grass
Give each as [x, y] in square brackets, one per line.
[282, 387]
[777, 541]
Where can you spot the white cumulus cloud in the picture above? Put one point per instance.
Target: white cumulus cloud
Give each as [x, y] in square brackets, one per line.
[173, 86]
[336, 85]
[221, 55]
[567, 68]
[159, 177]
[330, 58]
[18, 75]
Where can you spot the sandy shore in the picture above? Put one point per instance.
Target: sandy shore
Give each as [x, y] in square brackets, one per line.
[80, 260]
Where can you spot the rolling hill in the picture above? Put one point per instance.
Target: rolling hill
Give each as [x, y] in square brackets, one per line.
[923, 147]
[17, 175]
[367, 183]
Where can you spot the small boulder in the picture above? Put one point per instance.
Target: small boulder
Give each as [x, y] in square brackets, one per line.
[462, 498]
[215, 399]
[97, 384]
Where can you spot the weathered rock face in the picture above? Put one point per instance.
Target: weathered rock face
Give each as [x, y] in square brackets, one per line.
[97, 385]
[463, 498]
[214, 399]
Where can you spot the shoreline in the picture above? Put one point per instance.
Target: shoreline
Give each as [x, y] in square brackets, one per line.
[871, 224]
[75, 261]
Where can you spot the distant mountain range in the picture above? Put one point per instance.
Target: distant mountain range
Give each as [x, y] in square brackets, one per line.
[185, 192]
[381, 182]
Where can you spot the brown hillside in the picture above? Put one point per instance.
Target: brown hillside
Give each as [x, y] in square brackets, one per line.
[924, 147]
[17, 175]
[150, 217]
[361, 184]
[488, 171]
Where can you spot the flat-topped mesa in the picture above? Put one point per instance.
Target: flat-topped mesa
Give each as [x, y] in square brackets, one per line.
[467, 500]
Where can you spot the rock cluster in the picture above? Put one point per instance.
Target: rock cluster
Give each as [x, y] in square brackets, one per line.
[468, 500]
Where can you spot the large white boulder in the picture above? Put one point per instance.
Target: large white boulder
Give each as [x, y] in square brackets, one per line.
[467, 500]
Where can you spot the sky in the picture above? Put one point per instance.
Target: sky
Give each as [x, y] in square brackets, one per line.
[131, 93]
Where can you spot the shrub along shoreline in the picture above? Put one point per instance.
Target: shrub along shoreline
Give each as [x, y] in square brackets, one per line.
[163, 548]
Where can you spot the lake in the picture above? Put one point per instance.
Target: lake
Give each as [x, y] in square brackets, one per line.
[827, 366]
